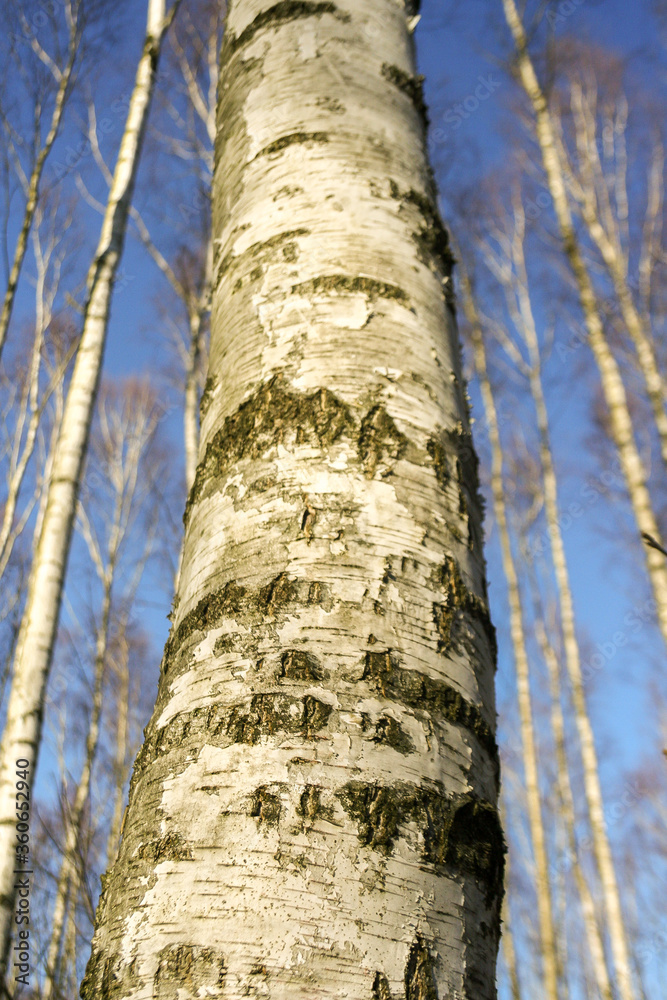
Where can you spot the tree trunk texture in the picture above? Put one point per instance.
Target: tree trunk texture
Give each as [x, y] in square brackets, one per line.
[313, 812]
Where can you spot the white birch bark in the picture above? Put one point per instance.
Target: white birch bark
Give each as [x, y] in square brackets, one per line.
[543, 889]
[34, 649]
[313, 811]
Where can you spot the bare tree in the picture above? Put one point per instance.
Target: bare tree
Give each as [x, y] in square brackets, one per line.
[126, 425]
[61, 72]
[543, 891]
[35, 643]
[610, 375]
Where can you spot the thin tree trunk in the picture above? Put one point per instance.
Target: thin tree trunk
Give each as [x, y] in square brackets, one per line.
[31, 667]
[533, 799]
[601, 846]
[566, 800]
[609, 244]
[201, 307]
[612, 383]
[507, 939]
[313, 810]
[516, 289]
[67, 873]
[121, 753]
[507, 942]
[32, 193]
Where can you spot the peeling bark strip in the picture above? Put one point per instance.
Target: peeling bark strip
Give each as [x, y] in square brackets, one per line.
[315, 799]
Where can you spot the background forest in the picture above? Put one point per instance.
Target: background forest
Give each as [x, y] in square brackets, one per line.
[547, 141]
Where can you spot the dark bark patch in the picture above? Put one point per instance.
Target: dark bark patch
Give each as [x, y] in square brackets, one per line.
[267, 714]
[417, 691]
[281, 594]
[411, 86]
[311, 806]
[188, 970]
[344, 284]
[431, 237]
[296, 664]
[381, 989]
[208, 614]
[388, 732]
[439, 458]
[309, 802]
[330, 104]
[315, 714]
[107, 978]
[283, 13]
[280, 591]
[380, 442]
[294, 138]
[171, 847]
[270, 417]
[455, 461]
[475, 844]
[273, 713]
[220, 725]
[378, 811]
[460, 603]
[207, 395]
[226, 644]
[266, 806]
[419, 973]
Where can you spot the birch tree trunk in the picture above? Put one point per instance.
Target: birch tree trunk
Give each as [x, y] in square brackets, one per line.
[548, 952]
[63, 79]
[514, 279]
[67, 872]
[610, 375]
[22, 733]
[313, 812]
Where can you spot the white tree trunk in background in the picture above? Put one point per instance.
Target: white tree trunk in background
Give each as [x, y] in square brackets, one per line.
[31, 187]
[610, 375]
[22, 733]
[547, 942]
[313, 812]
[622, 433]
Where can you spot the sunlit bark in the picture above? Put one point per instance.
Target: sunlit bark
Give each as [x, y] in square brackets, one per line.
[313, 810]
